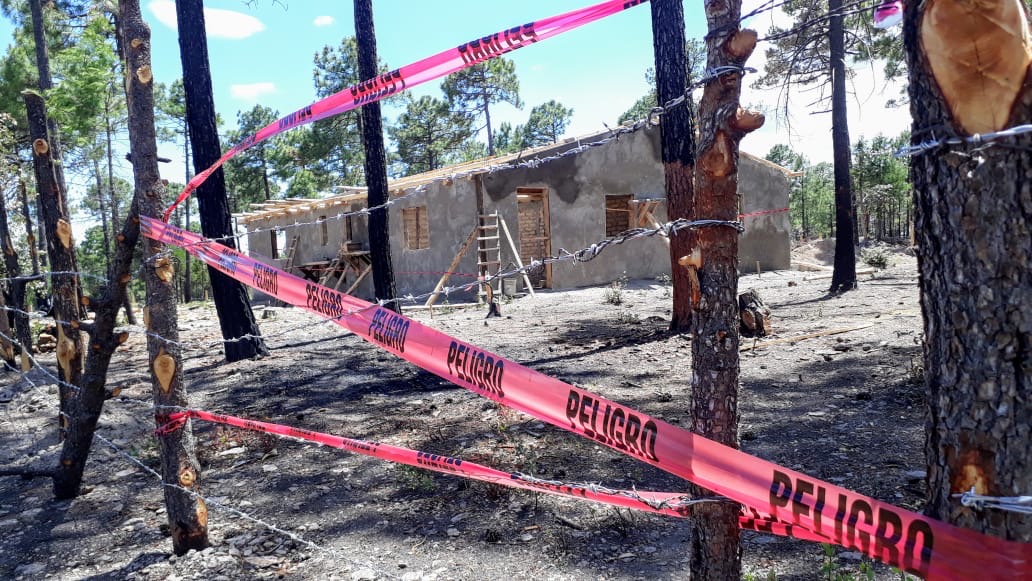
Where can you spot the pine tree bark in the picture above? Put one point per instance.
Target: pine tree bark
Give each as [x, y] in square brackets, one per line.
[236, 319]
[30, 239]
[61, 249]
[187, 514]
[22, 330]
[843, 277]
[973, 221]
[375, 162]
[677, 143]
[20, 336]
[714, 535]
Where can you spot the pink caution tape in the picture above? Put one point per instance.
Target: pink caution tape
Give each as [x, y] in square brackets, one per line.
[428, 69]
[666, 503]
[895, 536]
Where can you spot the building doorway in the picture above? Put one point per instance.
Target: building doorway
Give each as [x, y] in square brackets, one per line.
[535, 232]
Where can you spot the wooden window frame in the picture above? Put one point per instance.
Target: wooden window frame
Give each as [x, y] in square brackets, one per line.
[619, 219]
[416, 225]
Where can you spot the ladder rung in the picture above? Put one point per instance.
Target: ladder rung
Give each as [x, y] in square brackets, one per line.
[488, 238]
[487, 262]
[488, 227]
[485, 216]
[496, 248]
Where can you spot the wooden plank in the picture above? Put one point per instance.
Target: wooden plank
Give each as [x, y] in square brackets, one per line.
[519, 262]
[451, 267]
[358, 280]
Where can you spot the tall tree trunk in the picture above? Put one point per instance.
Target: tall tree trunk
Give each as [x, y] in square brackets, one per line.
[677, 141]
[39, 37]
[806, 224]
[265, 176]
[239, 328]
[41, 239]
[22, 331]
[843, 276]
[188, 287]
[375, 161]
[973, 213]
[30, 239]
[103, 218]
[60, 248]
[715, 325]
[8, 349]
[487, 118]
[187, 514]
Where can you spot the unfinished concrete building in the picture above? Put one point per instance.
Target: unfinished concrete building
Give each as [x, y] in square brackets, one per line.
[500, 216]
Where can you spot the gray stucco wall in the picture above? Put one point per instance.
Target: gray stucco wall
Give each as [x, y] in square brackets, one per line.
[577, 186]
[763, 187]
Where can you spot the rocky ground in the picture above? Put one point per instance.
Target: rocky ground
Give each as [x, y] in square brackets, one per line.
[844, 407]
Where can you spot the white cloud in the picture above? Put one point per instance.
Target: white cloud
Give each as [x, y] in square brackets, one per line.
[219, 23]
[252, 91]
[323, 20]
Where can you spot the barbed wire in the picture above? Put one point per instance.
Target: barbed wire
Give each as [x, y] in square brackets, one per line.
[677, 503]
[978, 140]
[614, 134]
[239, 513]
[1020, 504]
[849, 9]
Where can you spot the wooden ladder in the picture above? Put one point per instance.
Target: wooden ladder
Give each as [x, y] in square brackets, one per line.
[334, 265]
[291, 253]
[489, 254]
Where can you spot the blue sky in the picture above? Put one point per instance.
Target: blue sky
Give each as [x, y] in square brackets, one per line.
[263, 53]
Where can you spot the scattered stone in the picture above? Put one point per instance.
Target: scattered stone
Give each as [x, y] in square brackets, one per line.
[269, 468]
[30, 569]
[453, 532]
[261, 562]
[851, 555]
[232, 451]
[30, 514]
[363, 575]
[526, 537]
[915, 475]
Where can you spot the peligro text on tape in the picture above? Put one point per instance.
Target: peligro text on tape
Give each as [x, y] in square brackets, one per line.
[666, 503]
[411, 75]
[893, 535]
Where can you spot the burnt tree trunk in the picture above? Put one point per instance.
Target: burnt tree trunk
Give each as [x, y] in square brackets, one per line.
[30, 239]
[61, 249]
[843, 277]
[187, 514]
[677, 142]
[22, 332]
[714, 536]
[375, 162]
[236, 319]
[973, 221]
[8, 349]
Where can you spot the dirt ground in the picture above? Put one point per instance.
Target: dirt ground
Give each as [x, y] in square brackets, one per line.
[845, 407]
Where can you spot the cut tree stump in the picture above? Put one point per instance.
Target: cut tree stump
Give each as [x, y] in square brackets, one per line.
[753, 314]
